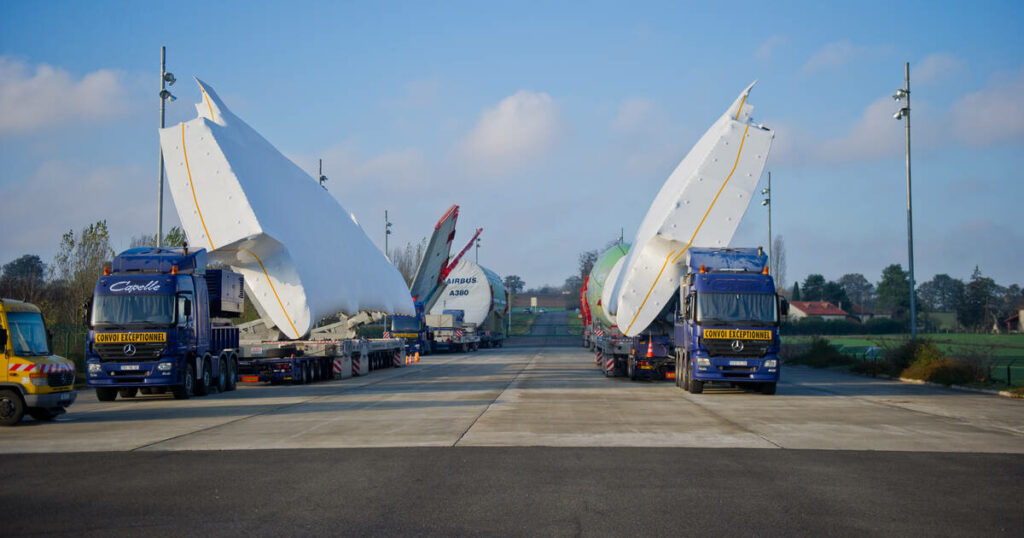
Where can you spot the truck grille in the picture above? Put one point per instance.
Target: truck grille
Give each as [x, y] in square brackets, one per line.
[723, 348]
[60, 379]
[143, 351]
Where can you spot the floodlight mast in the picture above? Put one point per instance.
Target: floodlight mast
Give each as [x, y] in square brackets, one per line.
[904, 114]
[166, 79]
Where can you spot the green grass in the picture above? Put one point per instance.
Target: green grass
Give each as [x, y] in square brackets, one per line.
[575, 323]
[521, 324]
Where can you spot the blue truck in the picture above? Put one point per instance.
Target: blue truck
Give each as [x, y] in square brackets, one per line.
[159, 321]
[727, 324]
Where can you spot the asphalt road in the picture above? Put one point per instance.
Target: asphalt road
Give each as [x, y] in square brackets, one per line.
[524, 441]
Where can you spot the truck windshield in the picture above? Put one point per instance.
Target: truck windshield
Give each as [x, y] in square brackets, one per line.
[732, 308]
[28, 335]
[404, 325]
[128, 309]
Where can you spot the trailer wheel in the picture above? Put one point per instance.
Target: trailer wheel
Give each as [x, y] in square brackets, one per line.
[12, 408]
[106, 394]
[128, 393]
[631, 369]
[187, 387]
[206, 382]
[768, 388]
[222, 375]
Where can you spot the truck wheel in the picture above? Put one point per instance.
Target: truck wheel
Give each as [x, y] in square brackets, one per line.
[12, 408]
[206, 382]
[768, 388]
[187, 387]
[106, 394]
[128, 392]
[222, 376]
[631, 369]
[679, 371]
[45, 414]
[146, 390]
[232, 374]
[696, 386]
[300, 377]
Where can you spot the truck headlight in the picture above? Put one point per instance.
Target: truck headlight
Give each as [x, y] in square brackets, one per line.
[165, 366]
[701, 361]
[771, 363]
[94, 368]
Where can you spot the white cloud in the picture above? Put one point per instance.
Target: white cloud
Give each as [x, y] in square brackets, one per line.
[62, 196]
[634, 113]
[832, 55]
[767, 49]
[44, 96]
[936, 68]
[521, 128]
[993, 114]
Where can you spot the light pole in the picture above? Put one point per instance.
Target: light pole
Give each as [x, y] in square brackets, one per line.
[323, 179]
[387, 232]
[166, 79]
[904, 114]
[767, 202]
[476, 251]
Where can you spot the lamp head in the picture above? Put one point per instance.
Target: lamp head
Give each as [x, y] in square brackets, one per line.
[169, 79]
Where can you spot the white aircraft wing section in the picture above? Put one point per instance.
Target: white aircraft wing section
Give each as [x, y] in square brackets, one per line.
[304, 257]
[428, 274]
[700, 204]
[608, 291]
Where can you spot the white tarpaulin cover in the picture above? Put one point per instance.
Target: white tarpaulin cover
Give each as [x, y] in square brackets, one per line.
[303, 255]
[700, 205]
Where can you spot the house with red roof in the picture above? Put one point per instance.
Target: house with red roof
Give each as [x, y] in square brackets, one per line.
[821, 309]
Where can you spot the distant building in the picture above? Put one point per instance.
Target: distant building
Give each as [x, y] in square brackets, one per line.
[1015, 323]
[821, 309]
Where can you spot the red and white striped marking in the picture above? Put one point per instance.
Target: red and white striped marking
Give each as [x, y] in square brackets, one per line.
[338, 365]
[599, 333]
[387, 334]
[458, 333]
[598, 357]
[397, 359]
[27, 368]
[609, 365]
[355, 365]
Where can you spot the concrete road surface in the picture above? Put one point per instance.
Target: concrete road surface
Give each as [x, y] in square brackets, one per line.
[544, 444]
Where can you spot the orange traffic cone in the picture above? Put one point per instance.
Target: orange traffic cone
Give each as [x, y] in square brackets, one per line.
[417, 357]
[650, 348]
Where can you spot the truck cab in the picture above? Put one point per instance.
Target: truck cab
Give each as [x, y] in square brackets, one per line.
[32, 378]
[410, 330]
[727, 328]
[150, 325]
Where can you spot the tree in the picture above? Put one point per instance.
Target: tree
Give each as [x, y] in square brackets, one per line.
[573, 284]
[834, 293]
[942, 293]
[23, 279]
[979, 308]
[778, 263]
[587, 259]
[514, 284]
[894, 291]
[408, 259]
[77, 265]
[796, 292]
[813, 288]
[859, 290]
[175, 236]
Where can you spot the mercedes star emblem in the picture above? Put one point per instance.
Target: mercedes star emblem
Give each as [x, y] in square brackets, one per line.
[737, 346]
[129, 350]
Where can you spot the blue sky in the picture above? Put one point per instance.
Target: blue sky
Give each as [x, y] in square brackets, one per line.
[553, 126]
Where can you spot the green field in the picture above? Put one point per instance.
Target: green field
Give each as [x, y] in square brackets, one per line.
[1000, 351]
[521, 323]
[575, 322]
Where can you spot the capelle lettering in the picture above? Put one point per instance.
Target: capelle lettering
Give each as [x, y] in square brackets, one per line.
[131, 287]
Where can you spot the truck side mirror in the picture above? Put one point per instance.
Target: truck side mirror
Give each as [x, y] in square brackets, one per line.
[87, 313]
[783, 306]
[188, 308]
[3, 340]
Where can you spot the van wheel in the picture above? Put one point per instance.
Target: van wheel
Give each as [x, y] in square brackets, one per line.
[187, 387]
[206, 382]
[45, 414]
[12, 408]
[128, 392]
[106, 394]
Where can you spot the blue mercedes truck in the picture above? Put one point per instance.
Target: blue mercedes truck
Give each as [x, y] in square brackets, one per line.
[159, 322]
[727, 327]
